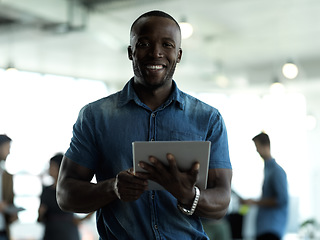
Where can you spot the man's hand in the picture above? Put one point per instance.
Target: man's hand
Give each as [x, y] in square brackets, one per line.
[129, 186]
[179, 184]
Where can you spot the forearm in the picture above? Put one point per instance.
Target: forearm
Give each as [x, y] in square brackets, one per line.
[213, 203]
[267, 202]
[83, 197]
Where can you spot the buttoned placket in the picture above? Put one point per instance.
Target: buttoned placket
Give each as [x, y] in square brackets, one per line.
[152, 128]
[154, 217]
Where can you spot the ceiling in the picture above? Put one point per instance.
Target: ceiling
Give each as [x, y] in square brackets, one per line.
[246, 41]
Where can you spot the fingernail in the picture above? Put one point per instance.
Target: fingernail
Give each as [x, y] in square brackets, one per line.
[152, 160]
[141, 165]
[197, 166]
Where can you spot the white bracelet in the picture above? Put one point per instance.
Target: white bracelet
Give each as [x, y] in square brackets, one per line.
[194, 204]
[115, 188]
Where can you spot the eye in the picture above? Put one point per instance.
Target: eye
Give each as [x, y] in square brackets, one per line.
[168, 45]
[143, 44]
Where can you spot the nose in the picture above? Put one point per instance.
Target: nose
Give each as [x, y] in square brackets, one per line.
[156, 51]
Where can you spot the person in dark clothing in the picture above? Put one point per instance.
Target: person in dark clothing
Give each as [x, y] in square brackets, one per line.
[58, 224]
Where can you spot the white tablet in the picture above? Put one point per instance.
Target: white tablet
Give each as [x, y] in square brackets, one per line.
[185, 152]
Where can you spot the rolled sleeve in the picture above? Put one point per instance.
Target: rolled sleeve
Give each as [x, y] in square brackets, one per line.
[83, 148]
[219, 155]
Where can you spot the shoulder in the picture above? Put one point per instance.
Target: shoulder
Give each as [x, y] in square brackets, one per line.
[111, 99]
[191, 101]
[99, 105]
[278, 170]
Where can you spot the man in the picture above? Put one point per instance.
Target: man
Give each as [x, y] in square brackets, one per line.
[150, 107]
[273, 205]
[6, 191]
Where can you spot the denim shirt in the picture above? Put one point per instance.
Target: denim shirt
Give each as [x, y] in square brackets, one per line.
[102, 141]
[273, 219]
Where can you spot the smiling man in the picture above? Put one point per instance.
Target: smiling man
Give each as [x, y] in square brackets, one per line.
[150, 107]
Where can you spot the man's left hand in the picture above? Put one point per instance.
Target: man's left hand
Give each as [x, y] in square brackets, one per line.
[179, 183]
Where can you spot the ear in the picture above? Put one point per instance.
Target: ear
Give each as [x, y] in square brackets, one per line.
[179, 55]
[130, 52]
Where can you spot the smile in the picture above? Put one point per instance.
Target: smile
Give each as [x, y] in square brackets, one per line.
[155, 67]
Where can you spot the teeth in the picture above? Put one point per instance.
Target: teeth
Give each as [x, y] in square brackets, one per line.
[154, 67]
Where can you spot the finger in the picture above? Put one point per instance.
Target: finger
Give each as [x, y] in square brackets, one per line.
[142, 175]
[127, 179]
[133, 182]
[172, 163]
[129, 190]
[130, 171]
[195, 170]
[154, 167]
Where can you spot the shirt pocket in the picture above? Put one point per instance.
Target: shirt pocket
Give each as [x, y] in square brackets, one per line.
[185, 136]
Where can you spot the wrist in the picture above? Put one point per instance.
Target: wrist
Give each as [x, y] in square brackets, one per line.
[194, 204]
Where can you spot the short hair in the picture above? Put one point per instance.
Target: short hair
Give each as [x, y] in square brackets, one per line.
[262, 138]
[154, 13]
[4, 138]
[57, 159]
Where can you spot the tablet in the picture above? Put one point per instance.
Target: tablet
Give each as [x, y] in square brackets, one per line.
[185, 152]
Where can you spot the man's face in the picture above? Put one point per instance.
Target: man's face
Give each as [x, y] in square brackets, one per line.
[261, 149]
[154, 50]
[4, 150]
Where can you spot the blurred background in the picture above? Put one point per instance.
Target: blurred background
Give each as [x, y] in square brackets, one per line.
[258, 62]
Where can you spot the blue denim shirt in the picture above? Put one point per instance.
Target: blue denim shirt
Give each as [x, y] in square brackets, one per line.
[273, 219]
[102, 141]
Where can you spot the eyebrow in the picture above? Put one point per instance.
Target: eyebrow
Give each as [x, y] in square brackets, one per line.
[164, 38]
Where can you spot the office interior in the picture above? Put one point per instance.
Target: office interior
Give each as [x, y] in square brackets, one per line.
[58, 55]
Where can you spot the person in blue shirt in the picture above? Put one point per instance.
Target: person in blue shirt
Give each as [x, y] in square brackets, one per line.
[273, 204]
[150, 107]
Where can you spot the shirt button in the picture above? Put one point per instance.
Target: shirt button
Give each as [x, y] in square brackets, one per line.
[153, 115]
[152, 140]
[156, 226]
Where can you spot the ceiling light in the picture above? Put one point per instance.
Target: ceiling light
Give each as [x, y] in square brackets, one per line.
[277, 88]
[11, 68]
[186, 29]
[222, 81]
[290, 70]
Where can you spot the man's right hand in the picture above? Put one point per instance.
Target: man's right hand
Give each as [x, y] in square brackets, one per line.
[129, 187]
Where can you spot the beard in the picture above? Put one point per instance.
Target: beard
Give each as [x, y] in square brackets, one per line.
[144, 79]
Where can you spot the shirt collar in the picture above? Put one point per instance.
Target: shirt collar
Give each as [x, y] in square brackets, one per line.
[128, 94]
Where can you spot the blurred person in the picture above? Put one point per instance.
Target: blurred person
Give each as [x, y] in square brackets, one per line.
[149, 107]
[59, 225]
[6, 191]
[273, 205]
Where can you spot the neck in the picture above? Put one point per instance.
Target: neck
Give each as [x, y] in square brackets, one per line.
[153, 97]
[267, 157]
